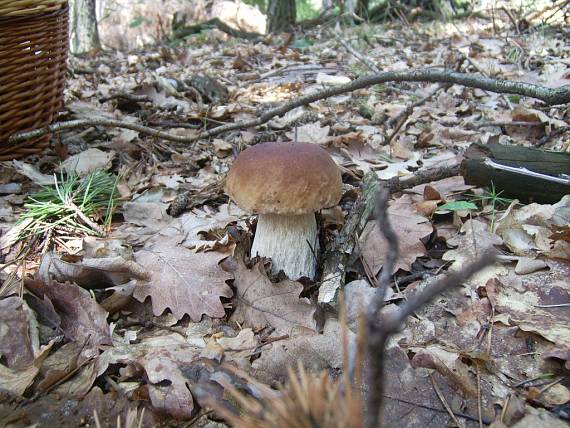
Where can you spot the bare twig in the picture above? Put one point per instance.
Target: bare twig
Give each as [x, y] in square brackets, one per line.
[84, 218]
[504, 123]
[171, 124]
[435, 409]
[422, 176]
[380, 328]
[393, 248]
[401, 118]
[483, 73]
[72, 124]
[444, 402]
[367, 62]
[334, 263]
[557, 132]
[505, 408]
[536, 15]
[257, 346]
[560, 8]
[479, 408]
[550, 96]
[126, 97]
[559, 95]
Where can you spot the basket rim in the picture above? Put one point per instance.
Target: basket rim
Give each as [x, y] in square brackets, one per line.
[12, 8]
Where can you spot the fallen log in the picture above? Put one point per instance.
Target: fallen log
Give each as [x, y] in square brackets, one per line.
[527, 174]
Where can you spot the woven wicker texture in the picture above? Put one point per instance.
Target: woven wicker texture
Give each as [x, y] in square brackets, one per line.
[11, 8]
[33, 55]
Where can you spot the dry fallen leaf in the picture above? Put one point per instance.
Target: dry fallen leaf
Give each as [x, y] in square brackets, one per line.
[410, 397]
[445, 187]
[167, 388]
[239, 347]
[21, 354]
[90, 273]
[260, 303]
[18, 332]
[474, 240]
[17, 381]
[315, 350]
[82, 318]
[410, 229]
[185, 282]
[19, 346]
[310, 133]
[530, 301]
[449, 364]
[531, 229]
[89, 161]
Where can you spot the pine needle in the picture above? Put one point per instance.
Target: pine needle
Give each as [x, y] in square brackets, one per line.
[72, 203]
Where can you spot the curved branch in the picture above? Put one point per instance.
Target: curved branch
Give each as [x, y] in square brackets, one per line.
[73, 124]
[550, 96]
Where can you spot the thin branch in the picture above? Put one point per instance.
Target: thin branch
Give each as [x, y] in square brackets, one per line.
[435, 409]
[550, 96]
[73, 124]
[70, 205]
[381, 326]
[422, 176]
[335, 261]
[393, 249]
[359, 56]
[559, 95]
[479, 404]
[553, 134]
[127, 97]
[418, 300]
[504, 123]
[403, 116]
[444, 402]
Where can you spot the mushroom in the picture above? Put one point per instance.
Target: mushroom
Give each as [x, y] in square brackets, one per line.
[285, 183]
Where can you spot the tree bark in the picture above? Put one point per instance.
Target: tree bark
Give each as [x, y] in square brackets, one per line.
[518, 181]
[84, 34]
[281, 15]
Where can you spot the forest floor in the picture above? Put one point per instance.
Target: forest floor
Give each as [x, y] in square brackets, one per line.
[165, 311]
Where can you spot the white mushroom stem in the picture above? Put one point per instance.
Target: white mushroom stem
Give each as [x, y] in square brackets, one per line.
[291, 242]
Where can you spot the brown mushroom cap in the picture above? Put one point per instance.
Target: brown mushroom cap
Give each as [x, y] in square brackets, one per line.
[284, 178]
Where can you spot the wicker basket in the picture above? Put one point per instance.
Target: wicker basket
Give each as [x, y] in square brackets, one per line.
[29, 7]
[33, 56]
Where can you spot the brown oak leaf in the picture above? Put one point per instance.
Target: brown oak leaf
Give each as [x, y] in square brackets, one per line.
[183, 281]
[410, 228]
[259, 302]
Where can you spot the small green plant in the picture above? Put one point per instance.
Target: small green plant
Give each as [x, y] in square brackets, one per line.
[302, 43]
[515, 99]
[513, 54]
[455, 206]
[138, 21]
[385, 158]
[71, 203]
[494, 199]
